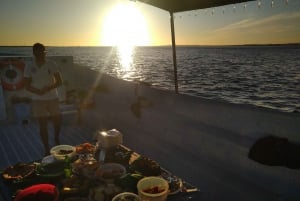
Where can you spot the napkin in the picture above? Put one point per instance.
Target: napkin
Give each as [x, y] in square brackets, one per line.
[38, 192]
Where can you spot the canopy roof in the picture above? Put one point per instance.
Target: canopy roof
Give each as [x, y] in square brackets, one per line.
[174, 6]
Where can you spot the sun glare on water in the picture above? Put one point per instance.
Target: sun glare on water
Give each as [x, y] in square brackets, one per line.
[125, 27]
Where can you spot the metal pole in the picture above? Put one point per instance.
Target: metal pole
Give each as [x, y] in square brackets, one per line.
[174, 52]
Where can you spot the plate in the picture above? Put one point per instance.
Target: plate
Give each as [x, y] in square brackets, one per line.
[18, 171]
[175, 183]
[175, 186]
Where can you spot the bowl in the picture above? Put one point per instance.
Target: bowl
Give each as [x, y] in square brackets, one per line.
[61, 152]
[126, 196]
[85, 168]
[108, 172]
[153, 189]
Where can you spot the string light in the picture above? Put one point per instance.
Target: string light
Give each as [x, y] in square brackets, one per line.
[213, 11]
[259, 3]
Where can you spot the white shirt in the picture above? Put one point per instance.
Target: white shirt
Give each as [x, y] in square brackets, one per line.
[41, 77]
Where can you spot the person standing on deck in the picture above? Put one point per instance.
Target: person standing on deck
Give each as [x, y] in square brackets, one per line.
[42, 77]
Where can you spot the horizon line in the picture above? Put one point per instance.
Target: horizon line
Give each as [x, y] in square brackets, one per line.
[254, 44]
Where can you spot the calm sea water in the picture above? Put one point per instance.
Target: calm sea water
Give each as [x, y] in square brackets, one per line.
[267, 76]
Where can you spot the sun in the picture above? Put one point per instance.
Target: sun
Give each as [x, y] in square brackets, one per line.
[125, 26]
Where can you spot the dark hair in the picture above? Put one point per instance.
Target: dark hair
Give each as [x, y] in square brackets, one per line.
[38, 46]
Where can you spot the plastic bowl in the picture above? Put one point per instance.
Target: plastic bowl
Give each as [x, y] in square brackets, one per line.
[153, 189]
[58, 151]
[126, 196]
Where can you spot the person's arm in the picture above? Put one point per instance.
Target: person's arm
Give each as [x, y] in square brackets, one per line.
[57, 82]
[30, 88]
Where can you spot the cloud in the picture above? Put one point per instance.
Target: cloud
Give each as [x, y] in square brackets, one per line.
[280, 22]
[281, 28]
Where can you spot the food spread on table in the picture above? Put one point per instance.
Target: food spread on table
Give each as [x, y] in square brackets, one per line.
[88, 178]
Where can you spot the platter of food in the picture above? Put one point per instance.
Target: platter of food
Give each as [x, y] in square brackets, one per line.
[175, 183]
[18, 171]
[145, 166]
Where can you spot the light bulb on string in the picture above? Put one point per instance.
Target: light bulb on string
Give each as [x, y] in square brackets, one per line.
[213, 11]
[272, 3]
[234, 8]
[223, 10]
[259, 3]
[195, 13]
[286, 2]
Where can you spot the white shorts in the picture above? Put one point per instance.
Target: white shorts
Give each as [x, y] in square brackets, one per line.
[44, 108]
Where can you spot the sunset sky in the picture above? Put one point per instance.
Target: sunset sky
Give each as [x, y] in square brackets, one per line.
[121, 22]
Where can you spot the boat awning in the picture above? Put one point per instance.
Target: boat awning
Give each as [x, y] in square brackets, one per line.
[174, 6]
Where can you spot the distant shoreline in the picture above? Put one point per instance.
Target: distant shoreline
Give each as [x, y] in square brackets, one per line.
[242, 45]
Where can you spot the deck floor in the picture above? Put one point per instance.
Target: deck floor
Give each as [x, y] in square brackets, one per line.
[213, 159]
[21, 142]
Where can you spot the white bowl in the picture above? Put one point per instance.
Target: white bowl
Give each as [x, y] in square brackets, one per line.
[158, 186]
[126, 196]
[58, 151]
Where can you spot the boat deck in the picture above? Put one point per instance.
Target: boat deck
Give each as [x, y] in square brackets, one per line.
[205, 142]
[21, 142]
